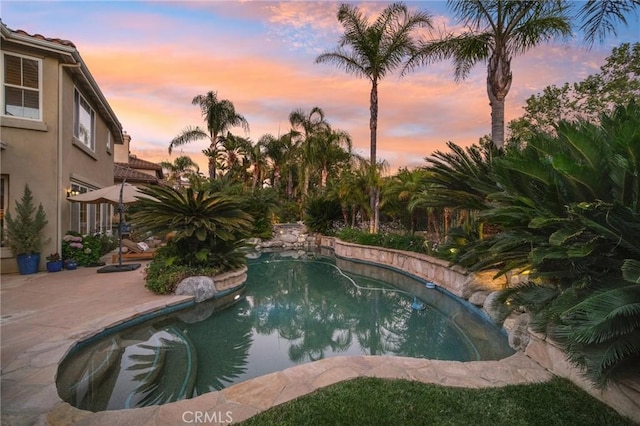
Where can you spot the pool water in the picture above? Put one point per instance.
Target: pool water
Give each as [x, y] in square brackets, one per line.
[291, 311]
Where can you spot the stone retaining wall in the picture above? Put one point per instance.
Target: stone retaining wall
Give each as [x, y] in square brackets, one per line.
[480, 289]
[287, 236]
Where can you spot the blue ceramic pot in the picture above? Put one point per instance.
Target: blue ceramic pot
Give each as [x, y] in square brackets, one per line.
[55, 266]
[70, 265]
[28, 263]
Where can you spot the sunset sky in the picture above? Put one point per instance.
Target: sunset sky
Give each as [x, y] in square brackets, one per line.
[151, 58]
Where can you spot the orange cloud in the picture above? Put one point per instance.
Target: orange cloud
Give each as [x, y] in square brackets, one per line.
[150, 82]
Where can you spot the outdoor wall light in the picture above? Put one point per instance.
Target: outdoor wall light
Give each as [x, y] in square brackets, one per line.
[72, 192]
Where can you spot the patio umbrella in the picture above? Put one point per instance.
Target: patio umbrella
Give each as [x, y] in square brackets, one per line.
[119, 195]
[115, 194]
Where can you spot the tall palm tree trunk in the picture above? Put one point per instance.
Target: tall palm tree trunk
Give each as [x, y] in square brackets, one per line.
[212, 168]
[373, 126]
[499, 79]
[305, 183]
[254, 178]
[289, 184]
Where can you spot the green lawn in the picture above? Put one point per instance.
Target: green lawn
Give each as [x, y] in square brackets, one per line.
[371, 401]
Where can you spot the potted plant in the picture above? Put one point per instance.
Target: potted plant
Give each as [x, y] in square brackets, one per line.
[54, 262]
[70, 264]
[25, 233]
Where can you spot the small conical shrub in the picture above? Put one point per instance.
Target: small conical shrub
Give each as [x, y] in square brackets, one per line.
[25, 233]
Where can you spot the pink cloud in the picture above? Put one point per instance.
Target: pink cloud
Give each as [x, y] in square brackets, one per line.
[151, 88]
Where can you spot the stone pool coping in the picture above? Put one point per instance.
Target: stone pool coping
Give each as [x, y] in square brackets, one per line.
[44, 315]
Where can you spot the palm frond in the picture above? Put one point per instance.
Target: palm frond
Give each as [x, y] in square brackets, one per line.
[187, 135]
[599, 17]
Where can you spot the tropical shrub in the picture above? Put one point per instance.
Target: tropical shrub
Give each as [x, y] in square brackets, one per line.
[320, 212]
[568, 211]
[395, 241]
[261, 205]
[288, 212]
[107, 243]
[207, 230]
[162, 275]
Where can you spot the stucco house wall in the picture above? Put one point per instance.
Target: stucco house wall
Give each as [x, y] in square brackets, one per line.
[44, 153]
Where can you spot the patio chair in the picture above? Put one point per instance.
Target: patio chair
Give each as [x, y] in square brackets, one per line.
[139, 251]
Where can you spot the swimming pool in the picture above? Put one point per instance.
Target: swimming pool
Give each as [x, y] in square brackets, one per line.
[292, 310]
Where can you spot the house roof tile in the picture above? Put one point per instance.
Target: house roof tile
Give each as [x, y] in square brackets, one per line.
[52, 40]
[122, 172]
[138, 163]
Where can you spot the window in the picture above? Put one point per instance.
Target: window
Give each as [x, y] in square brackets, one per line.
[22, 87]
[109, 142]
[83, 120]
[89, 218]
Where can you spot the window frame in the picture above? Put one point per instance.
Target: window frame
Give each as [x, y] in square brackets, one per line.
[23, 88]
[78, 99]
[88, 219]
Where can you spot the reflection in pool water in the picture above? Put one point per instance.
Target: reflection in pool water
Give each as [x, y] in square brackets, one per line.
[291, 311]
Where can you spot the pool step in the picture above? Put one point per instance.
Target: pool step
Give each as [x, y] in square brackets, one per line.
[90, 378]
[165, 368]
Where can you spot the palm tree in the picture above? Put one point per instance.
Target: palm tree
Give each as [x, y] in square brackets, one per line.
[328, 149]
[598, 17]
[497, 31]
[308, 125]
[234, 150]
[258, 163]
[351, 189]
[182, 167]
[275, 151]
[406, 187]
[372, 51]
[219, 116]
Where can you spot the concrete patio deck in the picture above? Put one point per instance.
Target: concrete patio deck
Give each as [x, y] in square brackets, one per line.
[45, 314]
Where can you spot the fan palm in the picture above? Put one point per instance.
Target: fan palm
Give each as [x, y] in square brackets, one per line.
[373, 50]
[497, 31]
[219, 116]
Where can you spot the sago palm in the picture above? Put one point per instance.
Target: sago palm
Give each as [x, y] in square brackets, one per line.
[569, 211]
[206, 227]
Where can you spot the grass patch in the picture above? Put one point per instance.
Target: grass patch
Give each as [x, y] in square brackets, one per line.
[372, 401]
